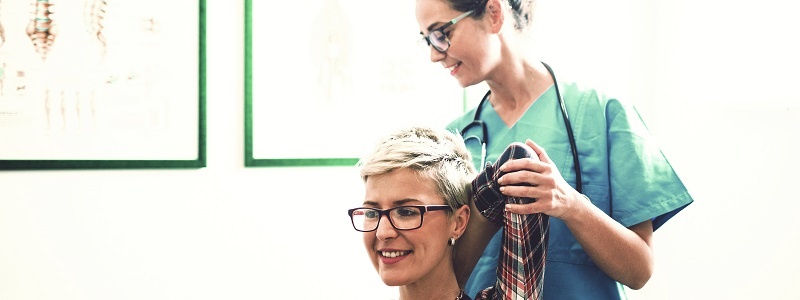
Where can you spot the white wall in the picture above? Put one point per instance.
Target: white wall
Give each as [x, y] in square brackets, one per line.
[716, 81]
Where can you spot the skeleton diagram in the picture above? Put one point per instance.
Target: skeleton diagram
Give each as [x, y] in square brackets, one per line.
[68, 94]
[41, 29]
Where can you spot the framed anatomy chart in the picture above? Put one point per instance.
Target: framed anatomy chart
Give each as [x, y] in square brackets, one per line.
[102, 84]
[324, 79]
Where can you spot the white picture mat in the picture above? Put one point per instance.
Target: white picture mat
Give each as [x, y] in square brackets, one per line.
[138, 101]
[328, 84]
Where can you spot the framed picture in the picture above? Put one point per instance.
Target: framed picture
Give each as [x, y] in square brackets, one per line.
[102, 84]
[322, 86]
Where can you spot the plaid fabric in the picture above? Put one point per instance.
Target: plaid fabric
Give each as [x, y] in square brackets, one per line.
[520, 272]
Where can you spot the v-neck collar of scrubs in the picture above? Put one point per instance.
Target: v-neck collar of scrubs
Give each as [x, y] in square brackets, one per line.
[502, 135]
[488, 114]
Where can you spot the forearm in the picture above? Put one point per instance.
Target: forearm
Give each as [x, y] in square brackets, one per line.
[625, 254]
[470, 246]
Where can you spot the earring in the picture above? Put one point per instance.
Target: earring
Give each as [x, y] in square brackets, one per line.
[451, 241]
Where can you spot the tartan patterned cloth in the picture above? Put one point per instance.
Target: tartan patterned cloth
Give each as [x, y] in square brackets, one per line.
[520, 271]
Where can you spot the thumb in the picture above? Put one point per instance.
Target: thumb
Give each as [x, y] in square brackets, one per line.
[539, 151]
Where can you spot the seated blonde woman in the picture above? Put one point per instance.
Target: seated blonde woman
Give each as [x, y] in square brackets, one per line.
[421, 192]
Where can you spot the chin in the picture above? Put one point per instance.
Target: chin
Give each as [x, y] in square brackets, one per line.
[390, 279]
[464, 83]
[393, 282]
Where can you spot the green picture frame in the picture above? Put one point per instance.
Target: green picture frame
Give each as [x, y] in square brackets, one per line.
[250, 159]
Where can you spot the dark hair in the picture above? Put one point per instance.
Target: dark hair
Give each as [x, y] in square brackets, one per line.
[522, 9]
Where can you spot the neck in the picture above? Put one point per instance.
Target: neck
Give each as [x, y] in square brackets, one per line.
[443, 287]
[516, 86]
[512, 85]
[452, 292]
[514, 80]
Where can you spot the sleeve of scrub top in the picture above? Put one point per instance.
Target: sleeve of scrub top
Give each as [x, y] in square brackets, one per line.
[644, 186]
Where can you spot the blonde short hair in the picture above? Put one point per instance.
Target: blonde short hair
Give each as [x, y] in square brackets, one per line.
[436, 154]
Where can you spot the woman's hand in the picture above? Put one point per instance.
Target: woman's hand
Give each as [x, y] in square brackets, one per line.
[625, 254]
[539, 179]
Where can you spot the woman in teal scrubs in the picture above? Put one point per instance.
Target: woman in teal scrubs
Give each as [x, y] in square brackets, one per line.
[601, 237]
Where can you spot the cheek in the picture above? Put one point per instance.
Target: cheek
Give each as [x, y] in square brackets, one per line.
[438, 236]
[475, 66]
[433, 251]
[369, 241]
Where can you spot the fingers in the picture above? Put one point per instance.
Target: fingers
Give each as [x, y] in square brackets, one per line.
[537, 164]
[525, 209]
[530, 164]
[539, 151]
[526, 178]
[520, 191]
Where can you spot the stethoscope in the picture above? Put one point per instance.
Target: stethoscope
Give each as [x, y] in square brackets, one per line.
[476, 121]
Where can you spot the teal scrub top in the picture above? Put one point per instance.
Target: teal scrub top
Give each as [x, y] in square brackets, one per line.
[624, 172]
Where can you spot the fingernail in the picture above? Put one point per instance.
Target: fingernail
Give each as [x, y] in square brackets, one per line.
[502, 188]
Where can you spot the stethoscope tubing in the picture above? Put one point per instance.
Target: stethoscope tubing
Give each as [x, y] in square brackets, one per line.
[567, 125]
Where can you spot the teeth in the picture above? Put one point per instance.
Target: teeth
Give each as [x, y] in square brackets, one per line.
[392, 254]
[453, 67]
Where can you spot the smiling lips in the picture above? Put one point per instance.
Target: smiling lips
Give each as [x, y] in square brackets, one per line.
[391, 257]
[393, 254]
[454, 68]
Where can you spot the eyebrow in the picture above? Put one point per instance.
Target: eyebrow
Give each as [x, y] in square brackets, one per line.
[395, 203]
[435, 25]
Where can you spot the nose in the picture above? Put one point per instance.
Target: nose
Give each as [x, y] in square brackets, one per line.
[436, 55]
[385, 229]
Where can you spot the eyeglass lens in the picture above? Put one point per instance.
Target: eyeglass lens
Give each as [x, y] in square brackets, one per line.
[367, 219]
[438, 40]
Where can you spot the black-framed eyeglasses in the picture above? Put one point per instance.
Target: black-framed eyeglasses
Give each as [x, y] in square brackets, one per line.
[408, 217]
[438, 39]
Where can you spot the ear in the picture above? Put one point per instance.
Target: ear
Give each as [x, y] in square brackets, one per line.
[495, 13]
[461, 218]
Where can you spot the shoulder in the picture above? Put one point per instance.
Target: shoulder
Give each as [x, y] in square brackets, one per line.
[584, 93]
[594, 111]
[588, 99]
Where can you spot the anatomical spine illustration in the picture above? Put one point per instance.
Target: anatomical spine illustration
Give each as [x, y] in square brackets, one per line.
[76, 68]
[41, 29]
[94, 12]
[2, 31]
